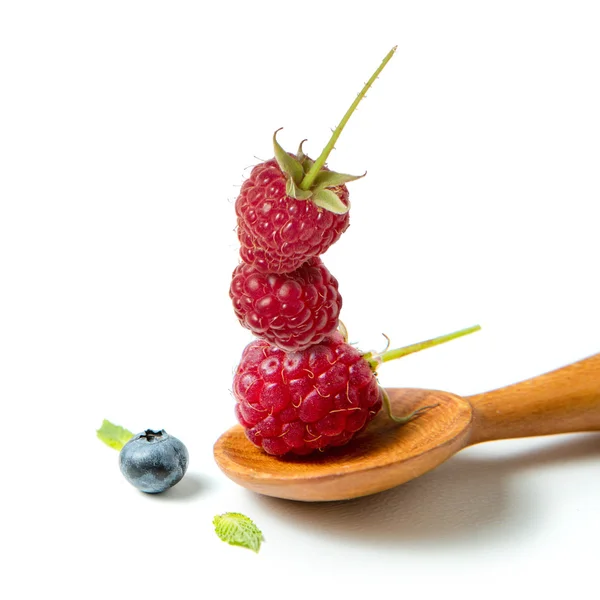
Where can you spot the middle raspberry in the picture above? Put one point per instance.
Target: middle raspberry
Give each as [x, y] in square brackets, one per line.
[291, 310]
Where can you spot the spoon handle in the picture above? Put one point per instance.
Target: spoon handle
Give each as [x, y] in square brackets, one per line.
[561, 401]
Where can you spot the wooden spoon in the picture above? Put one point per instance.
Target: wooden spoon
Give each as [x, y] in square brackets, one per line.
[385, 455]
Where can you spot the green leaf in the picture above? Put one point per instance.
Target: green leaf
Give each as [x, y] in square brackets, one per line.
[304, 161]
[238, 530]
[300, 154]
[328, 200]
[112, 435]
[289, 165]
[293, 191]
[307, 163]
[326, 179]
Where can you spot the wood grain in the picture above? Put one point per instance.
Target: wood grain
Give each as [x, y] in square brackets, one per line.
[563, 401]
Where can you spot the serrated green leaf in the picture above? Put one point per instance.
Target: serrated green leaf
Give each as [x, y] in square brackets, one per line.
[326, 179]
[289, 165]
[112, 435]
[293, 191]
[238, 530]
[328, 200]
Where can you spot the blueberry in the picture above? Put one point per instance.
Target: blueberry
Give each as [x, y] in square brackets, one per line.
[153, 461]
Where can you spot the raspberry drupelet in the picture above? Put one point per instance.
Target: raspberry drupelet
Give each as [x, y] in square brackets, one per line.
[291, 310]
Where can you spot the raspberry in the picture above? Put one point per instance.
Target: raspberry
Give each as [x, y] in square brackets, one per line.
[279, 233]
[291, 310]
[293, 208]
[298, 402]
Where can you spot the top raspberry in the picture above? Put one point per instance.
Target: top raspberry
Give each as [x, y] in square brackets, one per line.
[292, 208]
[279, 233]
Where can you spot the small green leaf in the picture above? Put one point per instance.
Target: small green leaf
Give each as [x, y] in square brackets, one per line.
[328, 200]
[112, 435]
[307, 163]
[326, 179]
[293, 191]
[238, 530]
[289, 165]
[300, 154]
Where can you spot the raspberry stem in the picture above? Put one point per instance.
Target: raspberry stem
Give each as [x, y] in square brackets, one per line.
[376, 359]
[309, 178]
[402, 420]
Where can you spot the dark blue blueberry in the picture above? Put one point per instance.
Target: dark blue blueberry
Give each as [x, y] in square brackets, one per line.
[153, 461]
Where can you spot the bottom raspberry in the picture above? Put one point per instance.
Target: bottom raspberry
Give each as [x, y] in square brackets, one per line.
[299, 402]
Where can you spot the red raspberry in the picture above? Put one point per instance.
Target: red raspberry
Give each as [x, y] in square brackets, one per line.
[278, 233]
[291, 310]
[298, 402]
[292, 207]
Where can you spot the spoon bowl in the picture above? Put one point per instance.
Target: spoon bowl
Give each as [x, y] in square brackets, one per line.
[382, 456]
[385, 455]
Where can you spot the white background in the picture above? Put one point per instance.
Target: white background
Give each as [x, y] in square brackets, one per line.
[126, 129]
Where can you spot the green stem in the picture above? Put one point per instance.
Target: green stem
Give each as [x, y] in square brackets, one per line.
[402, 420]
[376, 359]
[318, 164]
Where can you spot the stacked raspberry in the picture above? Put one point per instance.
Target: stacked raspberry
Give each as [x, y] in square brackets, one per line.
[282, 291]
[292, 310]
[300, 387]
